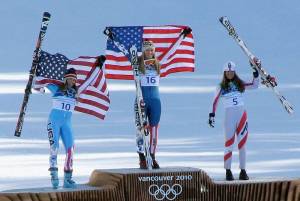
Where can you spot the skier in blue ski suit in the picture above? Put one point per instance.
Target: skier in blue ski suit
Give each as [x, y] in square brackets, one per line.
[59, 125]
[149, 79]
[149, 73]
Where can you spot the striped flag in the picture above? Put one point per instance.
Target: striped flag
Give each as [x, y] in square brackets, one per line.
[92, 88]
[174, 53]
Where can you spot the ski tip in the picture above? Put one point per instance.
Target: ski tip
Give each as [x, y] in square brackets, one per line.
[291, 111]
[288, 107]
[221, 18]
[106, 31]
[46, 14]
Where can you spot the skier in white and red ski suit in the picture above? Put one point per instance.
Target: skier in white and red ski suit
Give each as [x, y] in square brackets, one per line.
[231, 91]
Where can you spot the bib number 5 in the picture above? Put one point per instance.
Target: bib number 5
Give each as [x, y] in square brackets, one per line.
[235, 101]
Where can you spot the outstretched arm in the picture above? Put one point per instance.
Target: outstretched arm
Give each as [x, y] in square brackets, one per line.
[164, 57]
[52, 88]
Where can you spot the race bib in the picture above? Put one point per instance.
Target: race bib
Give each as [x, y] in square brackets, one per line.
[64, 104]
[233, 101]
[149, 80]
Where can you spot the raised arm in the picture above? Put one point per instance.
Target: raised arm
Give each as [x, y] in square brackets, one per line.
[52, 88]
[252, 85]
[255, 81]
[164, 57]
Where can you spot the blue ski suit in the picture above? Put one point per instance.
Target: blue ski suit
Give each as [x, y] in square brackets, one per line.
[150, 90]
[59, 124]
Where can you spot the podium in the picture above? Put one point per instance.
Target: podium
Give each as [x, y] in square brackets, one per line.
[165, 184]
[177, 183]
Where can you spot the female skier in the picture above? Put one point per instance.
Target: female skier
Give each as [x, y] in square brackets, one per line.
[231, 91]
[149, 69]
[59, 125]
[149, 72]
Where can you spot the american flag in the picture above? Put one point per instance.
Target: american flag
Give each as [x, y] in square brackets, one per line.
[180, 59]
[92, 88]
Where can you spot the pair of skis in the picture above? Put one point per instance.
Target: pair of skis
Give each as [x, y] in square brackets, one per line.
[266, 78]
[141, 120]
[35, 62]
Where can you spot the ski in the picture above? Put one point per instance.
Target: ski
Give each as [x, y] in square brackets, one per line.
[141, 120]
[35, 61]
[266, 78]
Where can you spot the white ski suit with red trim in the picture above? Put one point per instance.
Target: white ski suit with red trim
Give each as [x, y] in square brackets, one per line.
[235, 122]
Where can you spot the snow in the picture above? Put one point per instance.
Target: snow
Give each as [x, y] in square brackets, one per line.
[269, 28]
[185, 138]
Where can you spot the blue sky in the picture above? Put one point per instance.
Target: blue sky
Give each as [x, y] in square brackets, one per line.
[269, 28]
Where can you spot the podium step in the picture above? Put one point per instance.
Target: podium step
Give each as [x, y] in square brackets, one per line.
[172, 183]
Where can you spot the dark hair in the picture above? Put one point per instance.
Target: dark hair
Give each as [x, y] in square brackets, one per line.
[236, 80]
[100, 61]
[63, 87]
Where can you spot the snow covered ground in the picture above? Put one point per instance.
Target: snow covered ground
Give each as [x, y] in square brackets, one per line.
[185, 138]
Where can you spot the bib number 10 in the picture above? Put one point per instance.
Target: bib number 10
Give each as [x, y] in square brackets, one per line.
[151, 80]
[66, 106]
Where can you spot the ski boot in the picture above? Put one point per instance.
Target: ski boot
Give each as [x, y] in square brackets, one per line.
[229, 176]
[54, 177]
[143, 163]
[68, 182]
[155, 164]
[243, 175]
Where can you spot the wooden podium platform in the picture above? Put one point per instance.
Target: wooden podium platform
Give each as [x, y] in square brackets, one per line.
[174, 183]
[163, 184]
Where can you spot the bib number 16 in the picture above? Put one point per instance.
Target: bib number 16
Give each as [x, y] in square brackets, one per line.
[151, 80]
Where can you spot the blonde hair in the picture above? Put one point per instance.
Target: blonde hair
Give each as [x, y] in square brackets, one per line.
[142, 64]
